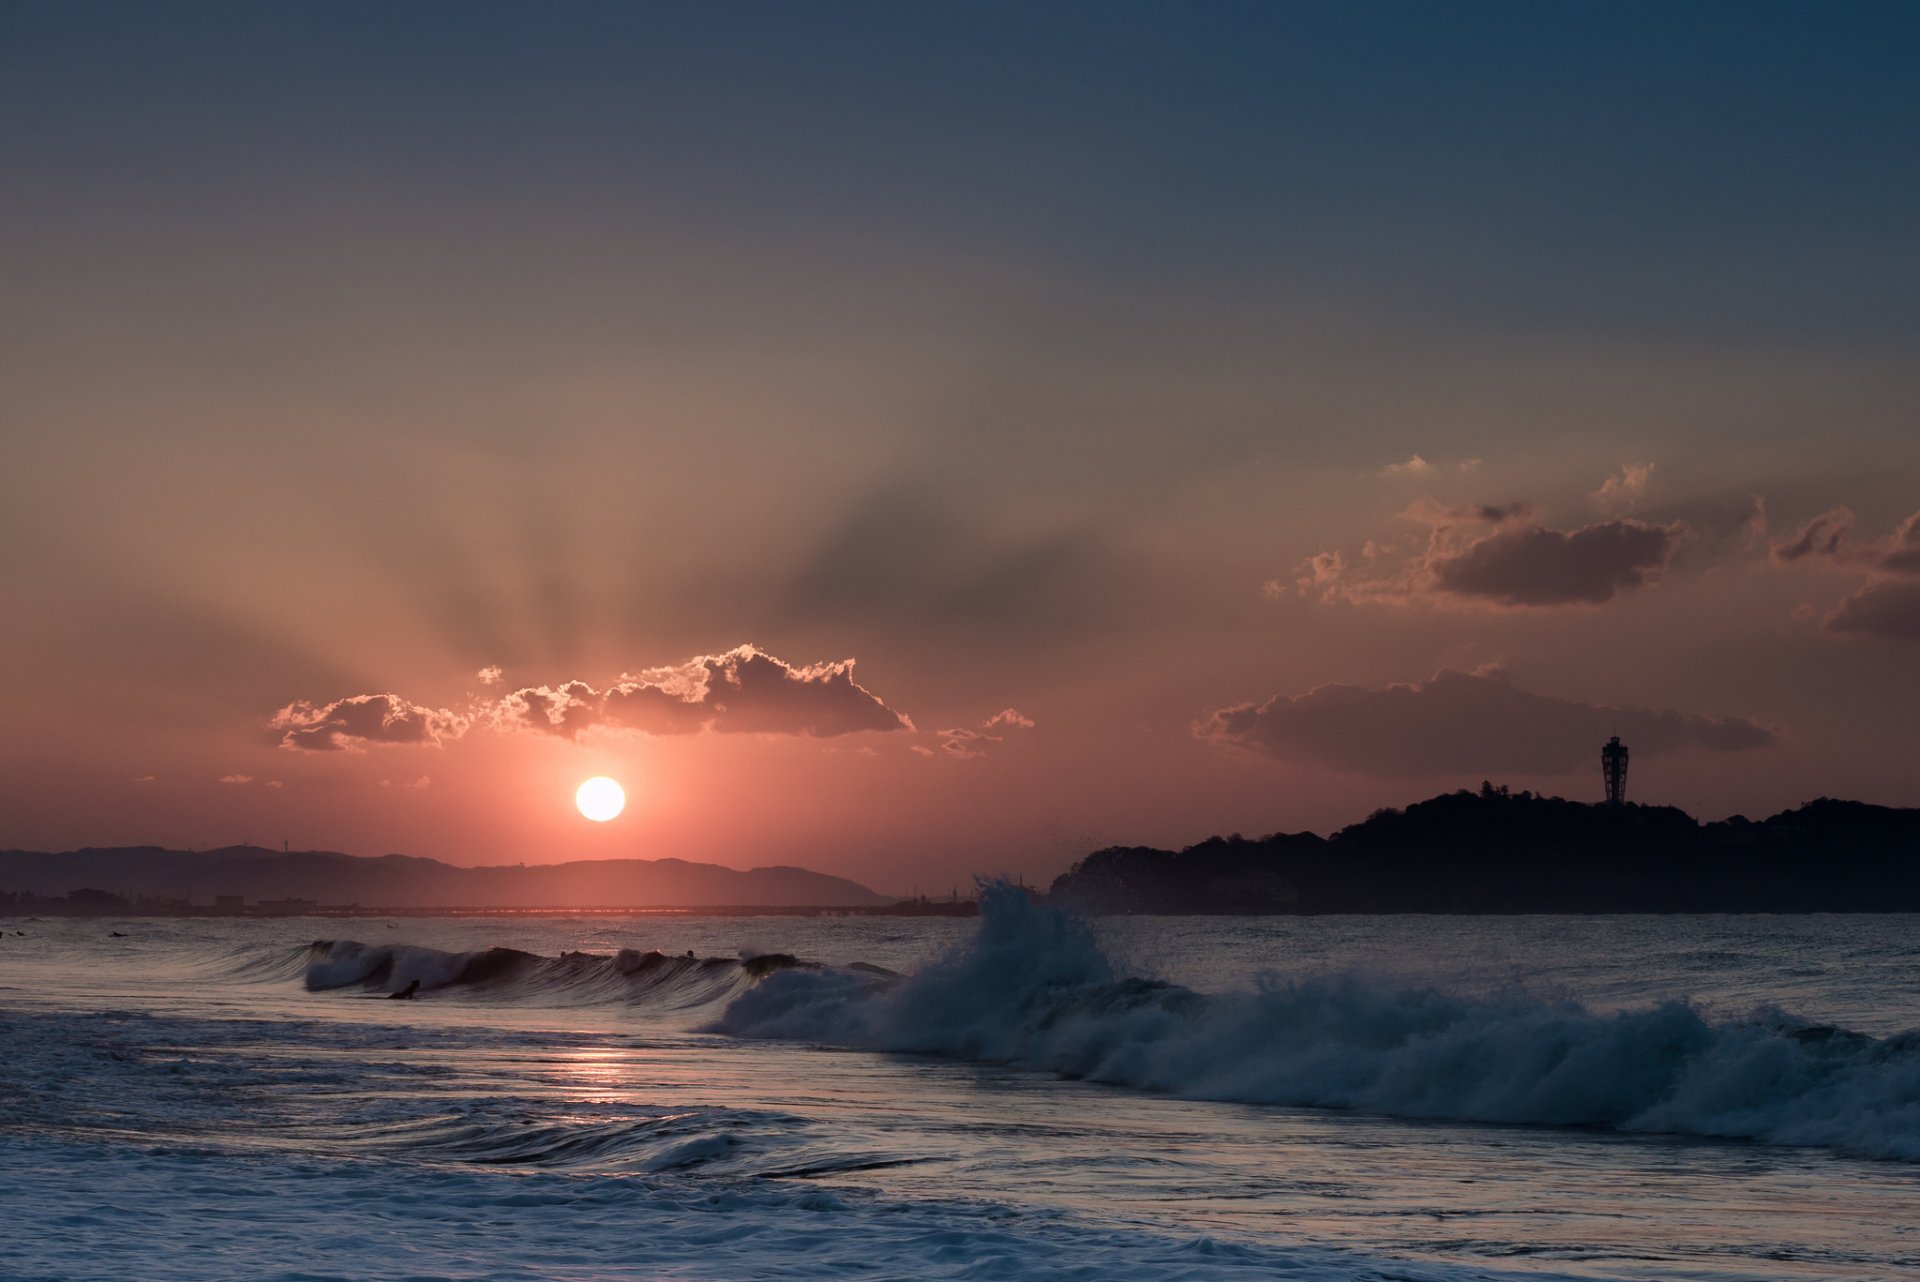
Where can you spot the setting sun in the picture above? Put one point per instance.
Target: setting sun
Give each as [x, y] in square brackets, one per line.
[600, 799]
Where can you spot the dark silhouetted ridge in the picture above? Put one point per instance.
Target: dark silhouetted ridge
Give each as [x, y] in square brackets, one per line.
[1500, 852]
[324, 877]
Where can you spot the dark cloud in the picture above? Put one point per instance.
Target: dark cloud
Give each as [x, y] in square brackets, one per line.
[1888, 608]
[1825, 536]
[1887, 604]
[1461, 723]
[1532, 565]
[1831, 537]
[1495, 556]
[744, 691]
[1498, 513]
[1441, 516]
[361, 719]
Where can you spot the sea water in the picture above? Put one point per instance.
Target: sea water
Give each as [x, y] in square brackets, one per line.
[1025, 1095]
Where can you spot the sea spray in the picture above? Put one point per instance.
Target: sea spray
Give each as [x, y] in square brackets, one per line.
[1034, 989]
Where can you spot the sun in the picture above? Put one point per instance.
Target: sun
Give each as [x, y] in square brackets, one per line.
[600, 799]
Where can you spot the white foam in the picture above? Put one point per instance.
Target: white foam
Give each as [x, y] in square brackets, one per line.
[1033, 988]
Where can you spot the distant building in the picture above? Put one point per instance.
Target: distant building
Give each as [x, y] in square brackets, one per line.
[229, 903]
[286, 907]
[1613, 765]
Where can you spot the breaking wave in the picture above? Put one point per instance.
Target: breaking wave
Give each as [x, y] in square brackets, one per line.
[1033, 988]
[628, 977]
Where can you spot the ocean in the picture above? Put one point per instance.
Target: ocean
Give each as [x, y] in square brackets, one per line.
[1022, 1095]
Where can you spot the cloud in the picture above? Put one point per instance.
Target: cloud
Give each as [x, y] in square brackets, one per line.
[1534, 566]
[966, 741]
[1887, 604]
[1324, 576]
[1822, 538]
[743, 691]
[1622, 493]
[236, 779]
[1461, 723]
[747, 690]
[350, 724]
[565, 710]
[1493, 555]
[273, 783]
[1720, 528]
[490, 675]
[1902, 551]
[1417, 466]
[1446, 515]
[144, 779]
[418, 785]
[1831, 537]
[1886, 608]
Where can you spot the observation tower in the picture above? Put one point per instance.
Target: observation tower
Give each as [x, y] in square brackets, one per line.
[1613, 765]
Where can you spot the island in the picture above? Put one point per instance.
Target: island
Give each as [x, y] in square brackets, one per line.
[1498, 851]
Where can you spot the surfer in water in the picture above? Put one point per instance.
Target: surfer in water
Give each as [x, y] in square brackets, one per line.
[405, 994]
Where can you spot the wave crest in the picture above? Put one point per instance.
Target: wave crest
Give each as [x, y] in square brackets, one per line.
[628, 977]
[1034, 988]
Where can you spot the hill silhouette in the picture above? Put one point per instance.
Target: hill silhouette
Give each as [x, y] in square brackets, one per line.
[1494, 851]
[404, 881]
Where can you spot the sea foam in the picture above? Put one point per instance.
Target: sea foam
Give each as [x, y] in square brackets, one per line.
[1033, 988]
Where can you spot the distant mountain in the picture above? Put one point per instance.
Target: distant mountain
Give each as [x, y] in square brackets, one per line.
[1500, 852]
[402, 881]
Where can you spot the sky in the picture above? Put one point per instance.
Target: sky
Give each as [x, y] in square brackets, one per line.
[922, 440]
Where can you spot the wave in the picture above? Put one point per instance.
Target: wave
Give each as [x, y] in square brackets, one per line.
[481, 1133]
[1033, 988]
[627, 977]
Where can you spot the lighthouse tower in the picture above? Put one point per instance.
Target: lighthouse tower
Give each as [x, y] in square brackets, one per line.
[1613, 765]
